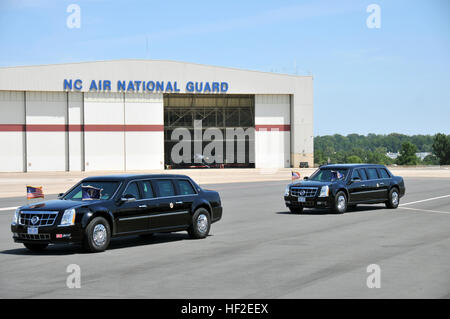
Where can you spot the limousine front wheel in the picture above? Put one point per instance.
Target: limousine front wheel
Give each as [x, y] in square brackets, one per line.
[201, 224]
[394, 198]
[340, 203]
[97, 235]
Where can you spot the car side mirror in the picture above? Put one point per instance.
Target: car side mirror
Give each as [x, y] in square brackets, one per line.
[305, 178]
[128, 198]
[356, 179]
[60, 195]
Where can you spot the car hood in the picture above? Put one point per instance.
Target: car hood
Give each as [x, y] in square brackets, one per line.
[57, 204]
[307, 183]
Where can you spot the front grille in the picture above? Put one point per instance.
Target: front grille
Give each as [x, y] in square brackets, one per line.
[308, 191]
[43, 218]
[34, 237]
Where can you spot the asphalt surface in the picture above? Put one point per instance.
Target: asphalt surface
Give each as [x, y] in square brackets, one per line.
[258, 250]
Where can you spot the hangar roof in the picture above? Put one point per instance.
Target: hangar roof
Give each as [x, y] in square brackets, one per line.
[51, 77]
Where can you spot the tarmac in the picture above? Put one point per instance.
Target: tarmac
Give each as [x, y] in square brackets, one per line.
[258, 250]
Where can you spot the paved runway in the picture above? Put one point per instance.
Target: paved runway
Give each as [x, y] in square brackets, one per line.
[258, 250]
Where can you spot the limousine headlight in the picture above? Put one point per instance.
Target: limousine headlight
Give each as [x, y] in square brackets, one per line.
[15, 220]
[286, 191]
[68, 218]
[324, 191]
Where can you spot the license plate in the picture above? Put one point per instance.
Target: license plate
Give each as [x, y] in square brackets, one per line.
[302, 199]
[32, 230]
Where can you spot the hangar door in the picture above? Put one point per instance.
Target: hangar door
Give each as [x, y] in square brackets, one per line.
[209, 130]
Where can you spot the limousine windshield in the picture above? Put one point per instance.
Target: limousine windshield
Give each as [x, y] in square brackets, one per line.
[108, 190]
[328, 175]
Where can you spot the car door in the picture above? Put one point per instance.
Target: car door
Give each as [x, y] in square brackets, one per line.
[186, 194]
[384, 183]
[130, 215]
[170, 212]
[151, 203]
[375, 191]
[357, 189]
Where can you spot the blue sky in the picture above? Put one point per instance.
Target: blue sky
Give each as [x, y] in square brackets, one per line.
[391, 79]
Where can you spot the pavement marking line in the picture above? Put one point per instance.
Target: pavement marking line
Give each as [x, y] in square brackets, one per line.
[425, 210]
[8, 208]
[424, 200]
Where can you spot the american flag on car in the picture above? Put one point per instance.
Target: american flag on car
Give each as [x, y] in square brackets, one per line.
[295, 175]
[34, 192]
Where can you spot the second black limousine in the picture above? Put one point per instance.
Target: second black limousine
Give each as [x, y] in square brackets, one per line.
[339, 186]
[98, 208]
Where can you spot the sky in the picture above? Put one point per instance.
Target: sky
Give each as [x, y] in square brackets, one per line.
[394, 78]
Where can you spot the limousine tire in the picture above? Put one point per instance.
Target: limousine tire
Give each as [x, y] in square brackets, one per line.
[97, 235]
[200, 225]
[296, 210]
[35, 247]
[340, 202]
[393, 199]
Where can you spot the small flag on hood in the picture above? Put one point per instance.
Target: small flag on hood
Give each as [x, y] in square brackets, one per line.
[295, 175]
[90, 192]
[34, 192]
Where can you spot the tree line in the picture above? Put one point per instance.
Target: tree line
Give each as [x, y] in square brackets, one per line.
[372, 148]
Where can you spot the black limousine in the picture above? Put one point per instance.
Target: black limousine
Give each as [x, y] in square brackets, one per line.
[99, 208]
[340, 186]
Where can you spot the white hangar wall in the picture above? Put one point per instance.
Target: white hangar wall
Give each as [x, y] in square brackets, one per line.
[12, 136]
[46, 117]
[144, 146]
[104, 114]
[272, 136]
[121, 132]
[76, 135]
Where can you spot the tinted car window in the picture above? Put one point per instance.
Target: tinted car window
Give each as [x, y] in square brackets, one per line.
[132, 189]
[355, 174]
[372, 173]
[363, 174]
[185, 187]
[108, 190]
[165, 188]
[147, 189]
[383, 173]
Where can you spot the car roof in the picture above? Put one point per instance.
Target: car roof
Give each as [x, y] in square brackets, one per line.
[350, 165]
[127, 177]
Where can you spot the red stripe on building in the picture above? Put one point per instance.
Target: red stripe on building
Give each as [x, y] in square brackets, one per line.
[75, 128]
[270, 127]
[111, 128]
[80, 128]
[46, 127]
[144, 128]
[12, 127]
[123, 128]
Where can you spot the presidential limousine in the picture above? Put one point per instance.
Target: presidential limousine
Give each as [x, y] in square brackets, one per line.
[99, 208]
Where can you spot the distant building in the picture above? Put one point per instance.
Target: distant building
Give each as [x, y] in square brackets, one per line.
[392, 155]
[420, 155]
